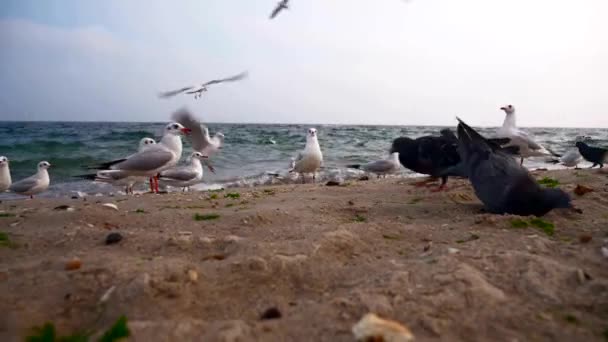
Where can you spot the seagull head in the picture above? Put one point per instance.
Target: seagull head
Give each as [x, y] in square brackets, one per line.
[146, 141]
[176, 129]
[43, 165]
[198, 155]
[312, 133]
[508, 109]
[3, 161]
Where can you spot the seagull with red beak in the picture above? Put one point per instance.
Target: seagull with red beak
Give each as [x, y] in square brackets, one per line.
[154, 159]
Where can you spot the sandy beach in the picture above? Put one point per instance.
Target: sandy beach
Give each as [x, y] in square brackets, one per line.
[205, 266]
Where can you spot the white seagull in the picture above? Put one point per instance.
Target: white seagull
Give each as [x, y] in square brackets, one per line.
[5, 174]
[198, 89]
[381, 167]
[185, 176]
[310, 159]
[154, 159]
[570, 159]
[527, 146]
[122, 178]
[283, 4]
[35, 184]
[199, 135]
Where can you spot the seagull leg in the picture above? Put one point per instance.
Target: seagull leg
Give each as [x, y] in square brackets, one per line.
[522, 162]
[314, 177]
[151, 181]
[156, 184]
[594, 165]
[31, 196]
[425, 182]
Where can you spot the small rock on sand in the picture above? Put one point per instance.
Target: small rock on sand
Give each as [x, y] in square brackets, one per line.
[193, 276]
[110, 206]
[73, 264]
[605, 251]
[374, 328]
[272, 313]
[113, 238]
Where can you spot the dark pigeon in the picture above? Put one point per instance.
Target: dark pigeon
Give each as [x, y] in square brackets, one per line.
[595, 155]
[436, 156]
[504, 186]
[429, 155]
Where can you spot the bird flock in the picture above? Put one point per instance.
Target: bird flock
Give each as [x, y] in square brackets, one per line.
[494, 166]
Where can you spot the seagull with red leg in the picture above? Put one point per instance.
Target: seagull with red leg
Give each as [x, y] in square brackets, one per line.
[154, 159]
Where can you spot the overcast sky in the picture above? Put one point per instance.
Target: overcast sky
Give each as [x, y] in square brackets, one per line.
[323, 61]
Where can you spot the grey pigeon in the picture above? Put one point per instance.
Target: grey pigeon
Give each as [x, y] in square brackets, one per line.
[504, 186]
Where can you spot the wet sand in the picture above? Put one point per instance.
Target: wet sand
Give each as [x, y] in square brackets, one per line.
[205, 266]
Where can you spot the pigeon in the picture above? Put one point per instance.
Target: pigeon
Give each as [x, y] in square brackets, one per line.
[35, 184]
[429, 155]
[595, 155]
[198, 89]
[5, 174]
[310, 159]
[381, 167]
[502, 184]
[283, 4]
[185, 176]
[527, 146]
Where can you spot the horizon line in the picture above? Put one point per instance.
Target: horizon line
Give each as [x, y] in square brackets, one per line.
[283, 123]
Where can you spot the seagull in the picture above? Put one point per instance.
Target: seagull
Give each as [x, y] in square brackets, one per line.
[122, 178]
[5, 174]
[198, 89]
[154, 159]
[527, 146]
[381, 167]
[283, 4]
[500, 182]
[185, 176]
[199, 135]
[595, 155]
[570, 159]
[310, 159]
[35, 184]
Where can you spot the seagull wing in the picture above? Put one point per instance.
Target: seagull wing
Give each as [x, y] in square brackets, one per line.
[228, 79]
[199, 133]
[183, 174]
[24, 184]
[171, 93]
[148, 160]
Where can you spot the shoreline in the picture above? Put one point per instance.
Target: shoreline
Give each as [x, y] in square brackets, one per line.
[321, 255]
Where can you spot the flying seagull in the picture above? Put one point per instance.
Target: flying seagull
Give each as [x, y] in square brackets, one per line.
[199, 133]
[283, 4]
[198, 89]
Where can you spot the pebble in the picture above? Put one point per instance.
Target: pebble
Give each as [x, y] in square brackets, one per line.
[453, 250]
[110, 206]
[585, 238]
[73, 264]
[113, 238]
[373, 328]
[272, 313]
[193, 276]
[64, 207]
[332, 183]
[605, 251]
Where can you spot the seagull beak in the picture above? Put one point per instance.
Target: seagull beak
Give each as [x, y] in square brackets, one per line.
[186, 130]
[503, 108]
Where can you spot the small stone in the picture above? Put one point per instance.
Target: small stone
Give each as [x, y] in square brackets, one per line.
[374, 328]
[193, 276]
[581, 190]
[364, 178]
[585, 238]
[110, 206]
[453, 250]
[351, 203]
[582, 276]
[73, 264]
[605, 251]
[64, 207]
[332, 183]
[113, 238]
[272, 313]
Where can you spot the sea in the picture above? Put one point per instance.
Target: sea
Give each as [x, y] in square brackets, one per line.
[253, 154]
